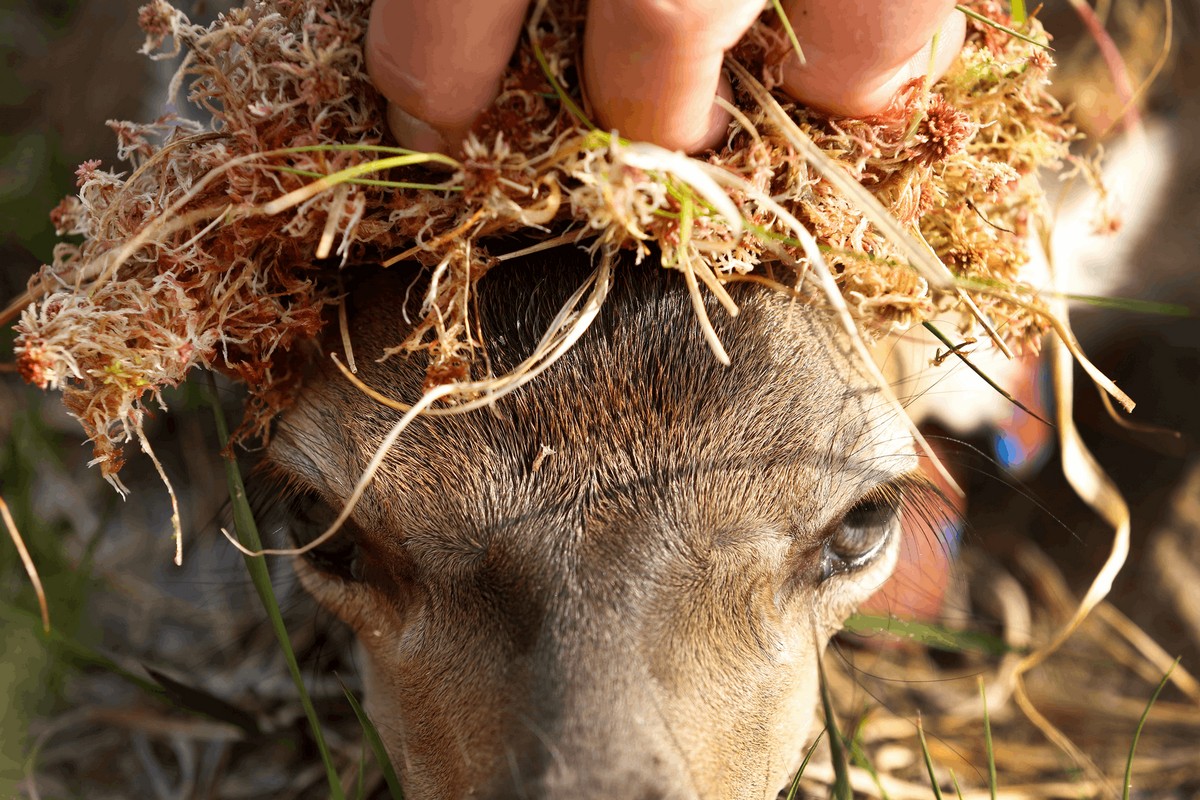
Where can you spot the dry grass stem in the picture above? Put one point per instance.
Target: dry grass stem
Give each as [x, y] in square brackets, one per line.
[1129, 116]
[1158, 659]
[27, 561]
[1093, 486]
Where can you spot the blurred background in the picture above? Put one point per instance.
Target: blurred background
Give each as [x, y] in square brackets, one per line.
[81, 704]
[83, 710]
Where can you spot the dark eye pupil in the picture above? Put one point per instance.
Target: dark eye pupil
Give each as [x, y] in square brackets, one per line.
[309, 516]
[868, 517]
[860, 536]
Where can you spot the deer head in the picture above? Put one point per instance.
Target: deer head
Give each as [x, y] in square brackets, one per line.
[618, 580]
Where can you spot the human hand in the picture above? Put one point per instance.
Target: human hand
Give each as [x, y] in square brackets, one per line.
[651, 68]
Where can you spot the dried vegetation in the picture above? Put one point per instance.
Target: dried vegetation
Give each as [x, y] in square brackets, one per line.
[221, 246]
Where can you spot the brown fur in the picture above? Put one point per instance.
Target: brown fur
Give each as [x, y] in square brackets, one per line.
[637, 615]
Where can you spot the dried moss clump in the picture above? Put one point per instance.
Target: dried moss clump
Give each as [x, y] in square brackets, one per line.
[189, 257]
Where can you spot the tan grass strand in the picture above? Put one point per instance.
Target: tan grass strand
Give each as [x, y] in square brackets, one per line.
[27, 562]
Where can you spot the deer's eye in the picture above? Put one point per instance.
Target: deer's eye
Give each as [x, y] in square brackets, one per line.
[309, 516]
[862, 534]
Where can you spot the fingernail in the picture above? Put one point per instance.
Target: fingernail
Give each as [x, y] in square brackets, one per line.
[413, 133]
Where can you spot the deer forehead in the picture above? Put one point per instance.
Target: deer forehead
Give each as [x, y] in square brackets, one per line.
[637, 438]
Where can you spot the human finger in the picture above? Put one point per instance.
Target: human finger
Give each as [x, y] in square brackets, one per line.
[439, 63]
[652, 68]
[857, 55]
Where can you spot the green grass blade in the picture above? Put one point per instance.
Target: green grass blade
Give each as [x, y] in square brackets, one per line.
[937, 792]
[371, 734]
[563, 97]
[975, 15]
[795, 787]
[247, 534]
[1132, 304]
[432, 187]
[938, 637]
[791, 33]
[957, 788]
[858, 757]
[991, 285]
[941, 337]
[1016, 10]
[204, 702]
[987, 741]
[74, 650]
[361, 792]
[837, 749]
[348, 148]
[325, 182]
[158, 685]
[1137, 734]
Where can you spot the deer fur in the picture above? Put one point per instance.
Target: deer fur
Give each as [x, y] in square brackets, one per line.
[617, 581]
